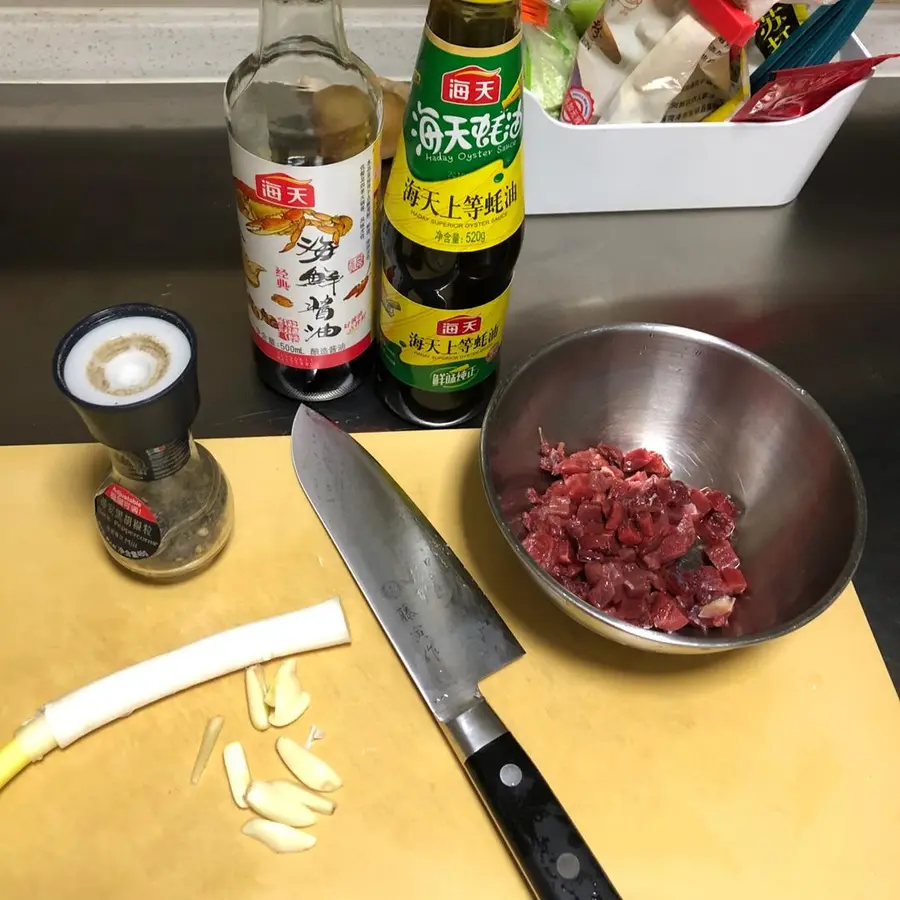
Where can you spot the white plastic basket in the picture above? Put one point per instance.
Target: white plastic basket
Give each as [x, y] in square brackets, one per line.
[701, 165]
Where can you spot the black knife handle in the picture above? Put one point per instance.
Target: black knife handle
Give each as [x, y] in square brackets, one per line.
[551, 852]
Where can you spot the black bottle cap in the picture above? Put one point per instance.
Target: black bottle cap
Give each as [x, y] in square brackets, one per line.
[154, 418]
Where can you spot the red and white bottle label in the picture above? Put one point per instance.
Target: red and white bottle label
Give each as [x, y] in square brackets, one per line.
[307, 242]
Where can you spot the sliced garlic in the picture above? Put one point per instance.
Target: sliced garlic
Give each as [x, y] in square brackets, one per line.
[316, 802]
[278, 837]
[255, 684]
[315, 773]
[238, 772]
[280, 802]
[207, 744]
[289, 700]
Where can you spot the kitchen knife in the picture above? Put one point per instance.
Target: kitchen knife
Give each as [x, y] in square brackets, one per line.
[449, 638]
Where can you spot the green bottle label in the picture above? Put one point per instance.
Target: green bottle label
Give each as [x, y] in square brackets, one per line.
[456, 179]
[439, 349]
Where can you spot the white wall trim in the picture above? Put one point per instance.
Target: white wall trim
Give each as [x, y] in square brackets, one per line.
[96, 44]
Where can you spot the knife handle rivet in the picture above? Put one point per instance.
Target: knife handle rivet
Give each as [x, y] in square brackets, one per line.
[510, 774]
[567, 865]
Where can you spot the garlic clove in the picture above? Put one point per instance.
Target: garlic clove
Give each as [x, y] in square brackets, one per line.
[255, 684]
[315, 773]
[278, 837]
[207, 745]
[289, 708]
[286, 672]
[278, 802]
[316, 802]
[289, 700]
[237, 771]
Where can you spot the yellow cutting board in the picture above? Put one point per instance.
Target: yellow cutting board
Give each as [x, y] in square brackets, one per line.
[769, 773]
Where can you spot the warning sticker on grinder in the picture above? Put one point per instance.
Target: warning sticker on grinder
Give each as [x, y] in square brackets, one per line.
[126, 523]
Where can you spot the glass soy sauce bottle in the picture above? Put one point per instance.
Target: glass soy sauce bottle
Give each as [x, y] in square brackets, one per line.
[304, 115]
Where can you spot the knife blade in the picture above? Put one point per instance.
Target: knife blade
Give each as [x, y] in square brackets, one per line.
[449, 637]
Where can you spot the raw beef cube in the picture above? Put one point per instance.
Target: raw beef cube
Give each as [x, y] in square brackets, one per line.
[637, 581]
[734, 580]
[665, 613]
[597, 545]
[551, 457]
[715, 526]
[589, 511]
[721, 502]
[560, 506]
[613, 454]
[701, 501]
[678, 543]
[680, 493]
[608, 587]
[582, 461]
[708, 585]
[579, 487]
[616, 516]
[635, 610]
[629, 536]
[721, 554]
[576, 587]
[541, 547]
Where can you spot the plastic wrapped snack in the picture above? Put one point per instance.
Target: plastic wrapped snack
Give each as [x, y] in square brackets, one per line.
[635, 60]
[549, 59]
[709, 86]
[661, 76]
[617, 41]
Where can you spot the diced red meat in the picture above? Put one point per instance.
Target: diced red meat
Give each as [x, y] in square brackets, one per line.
[579, 487]
[645, 523]
[552, 456]
[665, 613]
[575, 586]
[593, 572]
[607, 588]
[612, 527]
[734, 580]
[635, 610]
[721, 554]
[629, 536]
[638, 581]
[541, 519]
[721, 503]
[677, 544]
[582, 461]
[540, 546]
[590, 511]
[652, 463]
[708, 584]
[560, 506]
[715, 526]
[701, 501]
[616, 516]
[597, 545]
[613, 454]
[679, 493]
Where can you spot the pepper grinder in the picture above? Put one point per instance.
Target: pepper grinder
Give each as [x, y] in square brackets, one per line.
[165, 510]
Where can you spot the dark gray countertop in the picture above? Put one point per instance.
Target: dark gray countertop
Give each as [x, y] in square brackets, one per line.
[122, 193]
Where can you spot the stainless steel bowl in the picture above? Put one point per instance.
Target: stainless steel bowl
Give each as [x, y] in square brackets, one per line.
[721, 417]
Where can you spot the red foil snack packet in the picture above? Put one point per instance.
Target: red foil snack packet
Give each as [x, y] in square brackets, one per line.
[795, 92]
